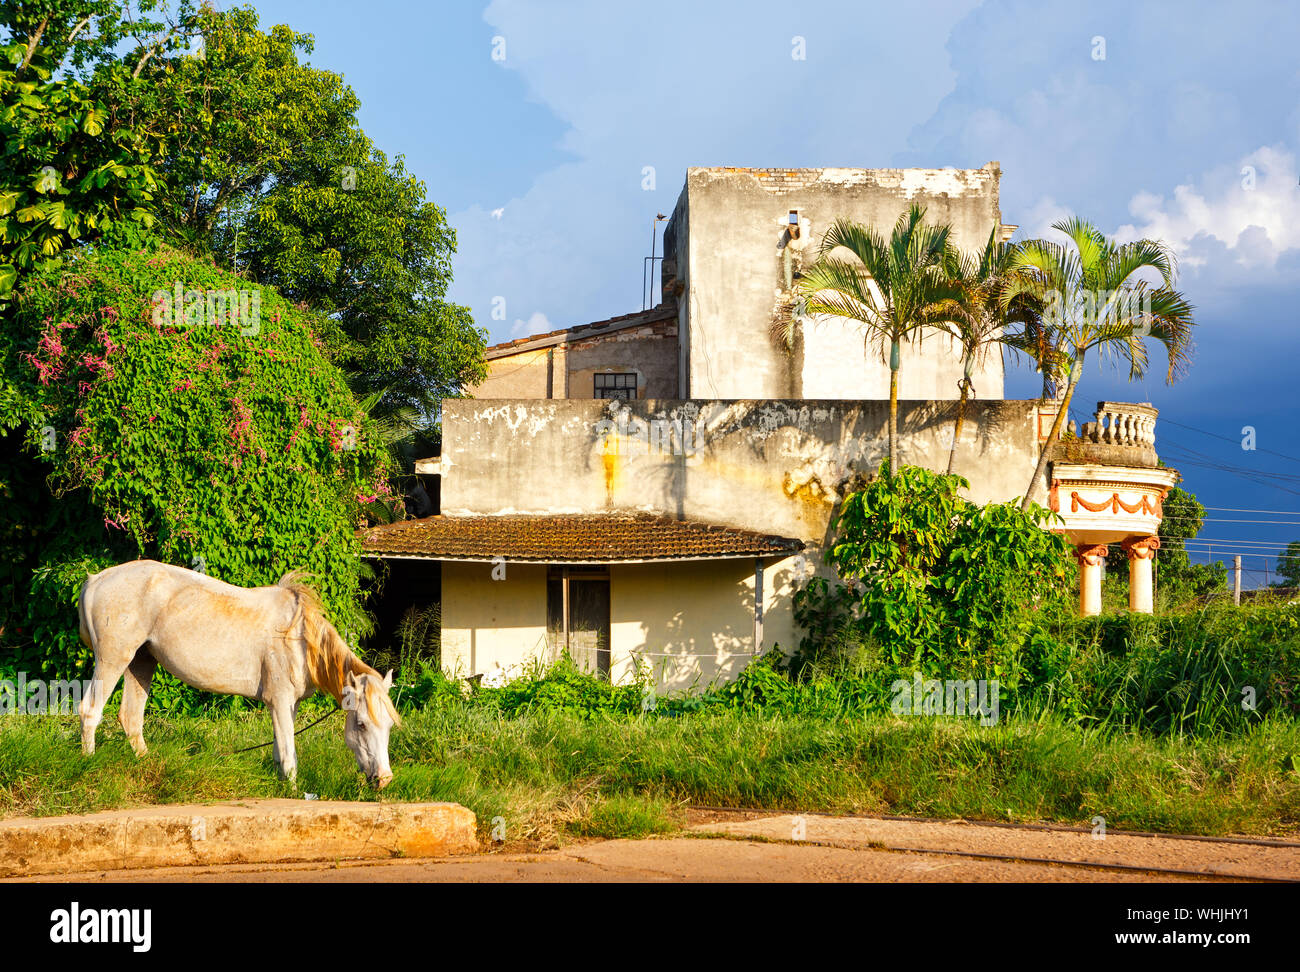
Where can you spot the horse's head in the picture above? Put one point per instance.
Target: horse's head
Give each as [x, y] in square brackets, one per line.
[370, 717]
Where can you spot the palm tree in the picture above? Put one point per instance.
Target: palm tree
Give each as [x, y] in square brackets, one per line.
[892, 288]
[1092, 296]
[977, 319]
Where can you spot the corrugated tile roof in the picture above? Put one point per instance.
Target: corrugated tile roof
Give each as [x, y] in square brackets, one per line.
[570, 538]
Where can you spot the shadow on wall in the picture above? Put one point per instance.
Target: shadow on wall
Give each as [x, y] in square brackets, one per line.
[691, 625]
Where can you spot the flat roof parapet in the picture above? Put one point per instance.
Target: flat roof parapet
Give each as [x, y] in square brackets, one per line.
[777, 180]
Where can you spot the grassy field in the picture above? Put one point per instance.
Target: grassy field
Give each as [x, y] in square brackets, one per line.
[551, 777]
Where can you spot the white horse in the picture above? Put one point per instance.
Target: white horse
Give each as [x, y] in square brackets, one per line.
[268, 643]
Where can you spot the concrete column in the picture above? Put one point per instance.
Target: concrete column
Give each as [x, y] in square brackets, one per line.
[1090, 559]
[1141, 553]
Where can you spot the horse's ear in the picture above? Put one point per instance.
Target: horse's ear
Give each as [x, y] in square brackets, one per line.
[388, 680]
[352, 681]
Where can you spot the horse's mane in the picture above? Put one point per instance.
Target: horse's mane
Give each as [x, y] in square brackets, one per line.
[329, 659]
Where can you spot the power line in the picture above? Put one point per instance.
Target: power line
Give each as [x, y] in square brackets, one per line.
[1216, 541]
[1224, 519]
[1228, 509]
[1202, 455]
[1192, 428]
[1200, 458]
[1256, 479]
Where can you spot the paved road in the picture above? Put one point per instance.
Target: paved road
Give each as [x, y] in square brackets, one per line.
[812, 848]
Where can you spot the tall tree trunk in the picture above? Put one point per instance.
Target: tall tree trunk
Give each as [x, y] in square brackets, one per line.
[961, 420]
[1051, 438]
[893, 409]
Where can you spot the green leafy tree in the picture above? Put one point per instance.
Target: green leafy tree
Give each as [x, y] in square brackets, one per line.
[1093, 298]
[1288, 566]
[891, 287]
[69, 173]
[267, 168]
[260, 161]
[81, 35]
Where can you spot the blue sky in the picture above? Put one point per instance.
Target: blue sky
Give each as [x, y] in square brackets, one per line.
[1150, 140]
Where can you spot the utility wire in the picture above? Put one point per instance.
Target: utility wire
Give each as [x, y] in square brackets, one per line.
[1225, 438]
[1224, 519]
[1228, 509]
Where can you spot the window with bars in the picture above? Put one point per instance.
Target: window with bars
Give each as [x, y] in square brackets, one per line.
[616, 385]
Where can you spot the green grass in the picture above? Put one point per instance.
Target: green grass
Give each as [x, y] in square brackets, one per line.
[552, 777]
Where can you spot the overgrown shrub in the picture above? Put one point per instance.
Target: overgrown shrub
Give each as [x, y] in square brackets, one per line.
[934, 582]
[1183, 674]
[1211, 669]
[231, 445]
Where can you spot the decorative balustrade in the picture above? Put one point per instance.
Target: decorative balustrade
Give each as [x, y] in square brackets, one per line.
[1121, 424]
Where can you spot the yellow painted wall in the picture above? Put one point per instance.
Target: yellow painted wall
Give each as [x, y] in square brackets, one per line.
[486, 621]
[521, 375]
[692, 624]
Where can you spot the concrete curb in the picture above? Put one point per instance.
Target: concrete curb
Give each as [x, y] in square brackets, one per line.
[253, 831]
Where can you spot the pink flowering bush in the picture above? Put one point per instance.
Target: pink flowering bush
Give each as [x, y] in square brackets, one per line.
[238, 449]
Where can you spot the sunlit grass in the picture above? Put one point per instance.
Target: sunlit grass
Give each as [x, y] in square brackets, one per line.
[544, 778]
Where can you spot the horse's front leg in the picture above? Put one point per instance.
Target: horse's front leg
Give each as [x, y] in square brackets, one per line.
[282, 720]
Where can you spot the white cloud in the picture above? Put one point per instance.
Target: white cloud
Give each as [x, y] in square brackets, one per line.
[1252, 207]
[1036, 221]
[537, 323]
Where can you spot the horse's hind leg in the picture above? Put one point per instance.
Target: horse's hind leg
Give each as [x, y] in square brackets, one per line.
[135, 693]
[108, 669]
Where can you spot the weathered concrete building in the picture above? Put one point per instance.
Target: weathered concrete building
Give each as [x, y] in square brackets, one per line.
[649, 491]
[737, 240]
[733, 248]
[633, 356]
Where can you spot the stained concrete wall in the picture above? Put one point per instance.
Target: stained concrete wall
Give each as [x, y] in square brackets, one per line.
[522, 375]
[725, 259]
[770, 466]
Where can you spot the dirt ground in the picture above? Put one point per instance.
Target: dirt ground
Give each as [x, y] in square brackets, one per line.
[729, 847]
